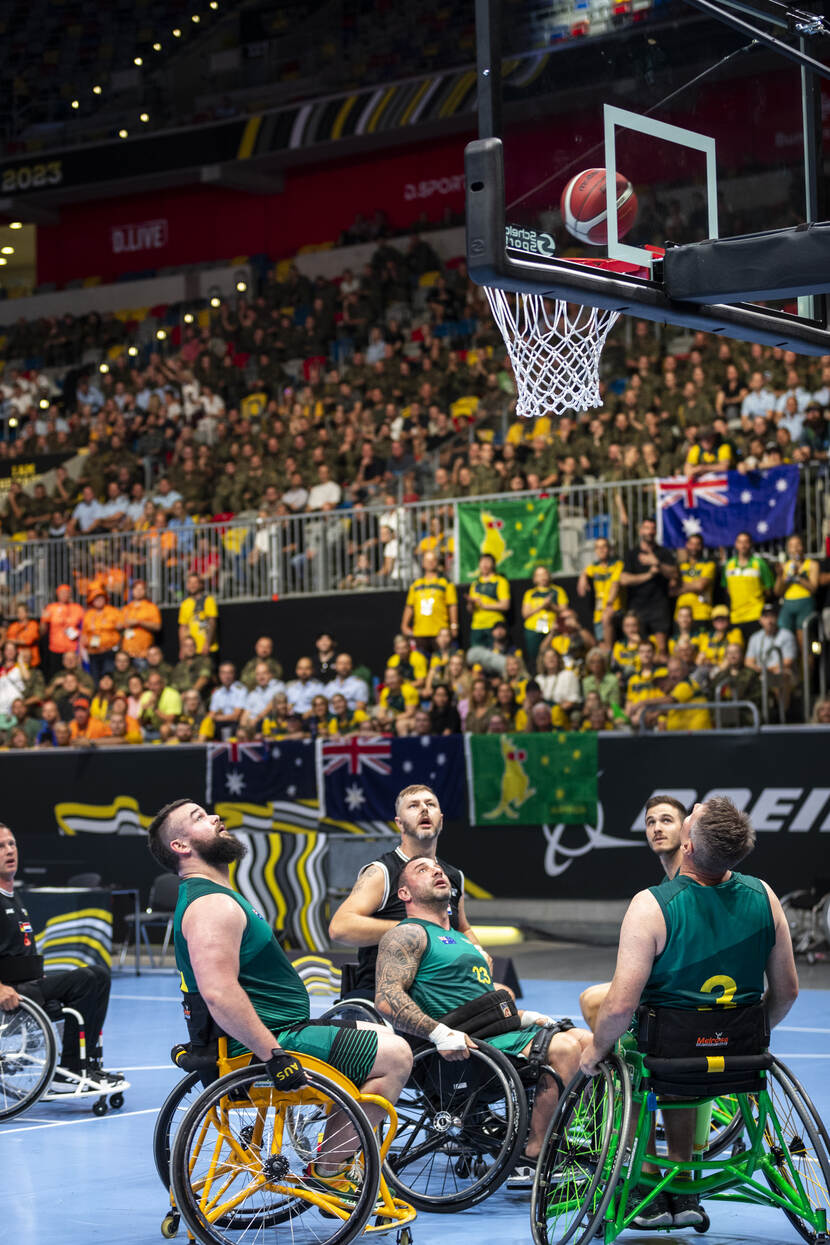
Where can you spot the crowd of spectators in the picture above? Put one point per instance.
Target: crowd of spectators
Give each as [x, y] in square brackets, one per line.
[381, 387]
[691, 633]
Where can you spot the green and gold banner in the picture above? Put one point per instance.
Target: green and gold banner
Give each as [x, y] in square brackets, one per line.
[519, 534]
[530, 780]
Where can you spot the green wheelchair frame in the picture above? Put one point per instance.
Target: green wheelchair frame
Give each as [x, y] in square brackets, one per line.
[590, 1181]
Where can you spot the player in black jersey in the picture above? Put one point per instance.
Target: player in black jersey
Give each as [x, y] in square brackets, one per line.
[86, 989]
[373, 907]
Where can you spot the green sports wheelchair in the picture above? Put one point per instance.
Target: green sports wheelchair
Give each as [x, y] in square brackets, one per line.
[591, 1182]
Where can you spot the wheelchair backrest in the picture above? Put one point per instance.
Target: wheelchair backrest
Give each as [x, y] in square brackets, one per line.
[695, 1053]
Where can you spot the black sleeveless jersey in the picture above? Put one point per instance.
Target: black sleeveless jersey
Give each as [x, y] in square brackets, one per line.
[392, 908]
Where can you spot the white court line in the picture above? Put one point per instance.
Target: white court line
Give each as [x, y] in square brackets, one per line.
[799, 1029]
[151, 1067]
[800, 1055]
[149, 998]
[92, 1119]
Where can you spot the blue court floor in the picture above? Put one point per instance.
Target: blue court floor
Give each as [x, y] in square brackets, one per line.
[69, 1177]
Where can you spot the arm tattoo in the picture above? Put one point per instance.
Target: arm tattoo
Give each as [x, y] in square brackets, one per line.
[399, 954]
[369, 872]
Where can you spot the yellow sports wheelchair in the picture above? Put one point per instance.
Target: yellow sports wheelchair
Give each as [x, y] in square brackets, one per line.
[591, 1181]
[235, 1156]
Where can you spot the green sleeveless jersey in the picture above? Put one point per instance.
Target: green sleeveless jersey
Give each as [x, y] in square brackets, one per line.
[718, 939]
[451, 971]
[266, 974]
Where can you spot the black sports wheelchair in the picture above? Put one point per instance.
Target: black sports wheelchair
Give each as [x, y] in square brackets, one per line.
[462, 1124]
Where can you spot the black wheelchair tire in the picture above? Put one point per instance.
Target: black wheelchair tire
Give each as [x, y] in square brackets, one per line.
[35, 1020]
[237, 1084]
[509, 1149]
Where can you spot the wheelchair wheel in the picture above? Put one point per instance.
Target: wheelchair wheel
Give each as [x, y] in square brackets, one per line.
[28, 1057]
[171, 1113]
[237, 1175]
[582, 1156]
[354, 1009]
[726, 1127]
[796, 1163]
[818, 1122]
[461, 1128]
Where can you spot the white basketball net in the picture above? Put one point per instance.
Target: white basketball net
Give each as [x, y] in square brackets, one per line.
[555, 350]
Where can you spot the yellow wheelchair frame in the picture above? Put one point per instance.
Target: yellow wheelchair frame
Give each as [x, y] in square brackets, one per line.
[206, 1199]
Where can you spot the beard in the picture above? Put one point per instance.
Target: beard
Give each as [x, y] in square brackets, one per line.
[224, 850]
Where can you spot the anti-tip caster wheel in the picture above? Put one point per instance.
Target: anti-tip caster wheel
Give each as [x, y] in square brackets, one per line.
[99, 1107]
[702, 1227]
[170, 1225]
[404, 1237]
[116, 1101]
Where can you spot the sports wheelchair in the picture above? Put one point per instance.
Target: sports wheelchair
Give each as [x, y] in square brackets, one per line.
[590, 1180]
[462, 1124]
[29, 1068]
[234, 1155]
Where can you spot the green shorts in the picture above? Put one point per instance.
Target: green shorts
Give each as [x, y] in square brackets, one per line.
[512, 1043]
[350, 1050]
[792, 614]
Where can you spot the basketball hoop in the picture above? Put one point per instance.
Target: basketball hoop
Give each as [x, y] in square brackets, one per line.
[555, 346]
[555, 350]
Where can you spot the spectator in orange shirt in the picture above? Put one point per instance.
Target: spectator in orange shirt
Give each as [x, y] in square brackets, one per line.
[100, 634]
[139, 625]
[125, 729]
[24, 630]
[84, 729]
[61, 620]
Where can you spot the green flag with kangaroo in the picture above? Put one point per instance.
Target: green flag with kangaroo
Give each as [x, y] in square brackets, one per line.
[520, 534]
[532, 780]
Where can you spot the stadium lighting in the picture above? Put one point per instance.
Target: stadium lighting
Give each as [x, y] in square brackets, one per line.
[195, 18]
[103, 368]
[12, 422]
[815, 647]
[16, 224]
[145, 117]
[161, 335]
[137, 60]
[97, 90]
[156, 47]
[132, 351]
[216, 301]
[3, 260]
[241, 286]
[123, 133]
[188, 317]
[7, 250]
[76, 103]
[44, 404]
[214, 4]
[177, 34]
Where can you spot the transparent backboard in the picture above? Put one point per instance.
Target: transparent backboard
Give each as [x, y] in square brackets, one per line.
[715, 134]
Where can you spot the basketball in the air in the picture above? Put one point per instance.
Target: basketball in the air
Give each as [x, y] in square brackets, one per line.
[583, 207]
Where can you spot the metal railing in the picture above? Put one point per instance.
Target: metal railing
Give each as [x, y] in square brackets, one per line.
[363, 548]
[671, 706]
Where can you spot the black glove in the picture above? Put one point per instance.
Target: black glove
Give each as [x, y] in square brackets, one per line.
[285, 1070]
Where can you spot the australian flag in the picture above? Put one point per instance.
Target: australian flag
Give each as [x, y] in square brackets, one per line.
[720, 504]
[258, 773]
[359, 777]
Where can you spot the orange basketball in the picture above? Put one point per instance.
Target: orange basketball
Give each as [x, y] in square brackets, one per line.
[584, 208]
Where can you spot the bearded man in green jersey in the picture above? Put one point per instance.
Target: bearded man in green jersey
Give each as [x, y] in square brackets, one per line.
[227, 953]
[425, 970]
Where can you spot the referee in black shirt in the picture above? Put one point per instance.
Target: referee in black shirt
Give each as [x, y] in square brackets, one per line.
[86, 989]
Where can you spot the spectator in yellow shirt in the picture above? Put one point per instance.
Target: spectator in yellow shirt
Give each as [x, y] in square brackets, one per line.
[198, 615]
[411, 663]
[796, 582]
[603, 576]
[680, 689]
[488, 600]
[645, 684]
[541, 604]
[696, 579]
[709, 453]
[397, 702]
[431, 605]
